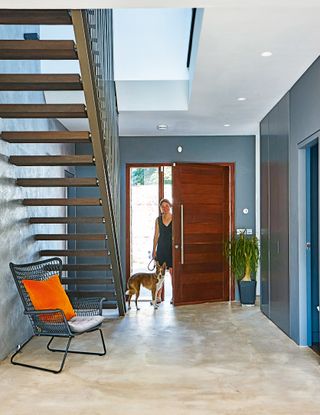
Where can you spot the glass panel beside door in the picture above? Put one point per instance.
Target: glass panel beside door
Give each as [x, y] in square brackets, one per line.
[144, 190]
[146, 186]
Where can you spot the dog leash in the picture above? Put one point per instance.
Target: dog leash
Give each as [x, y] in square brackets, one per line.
[151, 268]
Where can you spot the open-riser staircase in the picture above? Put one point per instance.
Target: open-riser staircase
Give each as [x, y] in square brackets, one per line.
[89, 272]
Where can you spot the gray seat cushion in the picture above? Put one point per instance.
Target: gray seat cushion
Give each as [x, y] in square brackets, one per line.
[80, 324]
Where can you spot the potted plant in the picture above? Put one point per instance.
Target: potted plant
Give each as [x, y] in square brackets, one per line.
[243, 251]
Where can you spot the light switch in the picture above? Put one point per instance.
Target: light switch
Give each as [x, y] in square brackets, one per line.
[240, 230]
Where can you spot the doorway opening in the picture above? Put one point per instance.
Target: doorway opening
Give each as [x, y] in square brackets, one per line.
[203, 218]
[147, 184]
[312, 186]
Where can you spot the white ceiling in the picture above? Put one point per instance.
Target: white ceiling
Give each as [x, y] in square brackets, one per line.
[229, 65]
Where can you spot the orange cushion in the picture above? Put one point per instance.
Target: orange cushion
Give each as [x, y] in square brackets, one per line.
[48, 295]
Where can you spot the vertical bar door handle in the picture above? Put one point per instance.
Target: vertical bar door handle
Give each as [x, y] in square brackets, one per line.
[182, 245]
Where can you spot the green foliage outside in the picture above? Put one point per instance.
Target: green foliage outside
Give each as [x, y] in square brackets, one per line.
[137, 177]
[146, 176]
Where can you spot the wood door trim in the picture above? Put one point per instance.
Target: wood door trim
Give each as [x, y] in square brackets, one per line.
[128, 222]
[129, 165]
[232, 220]
[128, 202]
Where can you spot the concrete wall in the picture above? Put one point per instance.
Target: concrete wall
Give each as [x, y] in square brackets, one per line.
[98, 228]
[240, 150]
[16, 241]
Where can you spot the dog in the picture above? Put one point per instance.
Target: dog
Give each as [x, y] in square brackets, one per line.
[152, 281]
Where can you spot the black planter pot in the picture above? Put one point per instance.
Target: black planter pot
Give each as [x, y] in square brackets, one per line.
[247, 291]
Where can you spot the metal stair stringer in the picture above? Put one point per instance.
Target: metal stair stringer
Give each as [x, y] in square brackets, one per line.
[92, 105]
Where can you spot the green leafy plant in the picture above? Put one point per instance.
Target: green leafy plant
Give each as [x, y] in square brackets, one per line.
[243, 251]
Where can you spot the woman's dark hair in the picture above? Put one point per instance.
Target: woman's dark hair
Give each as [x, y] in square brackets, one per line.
[165, 201]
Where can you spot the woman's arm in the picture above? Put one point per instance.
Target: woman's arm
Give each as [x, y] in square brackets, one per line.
[155, 239]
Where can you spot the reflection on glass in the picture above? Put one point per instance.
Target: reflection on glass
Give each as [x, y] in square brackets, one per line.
[168, 183]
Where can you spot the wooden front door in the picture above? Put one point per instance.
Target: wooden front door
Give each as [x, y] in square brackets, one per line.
[203, 218]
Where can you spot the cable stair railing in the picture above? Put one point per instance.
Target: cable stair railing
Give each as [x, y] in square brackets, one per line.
[106, 279]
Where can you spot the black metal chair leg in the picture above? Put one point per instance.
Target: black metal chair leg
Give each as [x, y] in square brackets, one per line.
[48, 345]
[65, 355]
[103, 344]
[79, 351]
[19, 350]
[40, 367]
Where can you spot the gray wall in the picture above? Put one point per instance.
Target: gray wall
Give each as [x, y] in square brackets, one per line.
[16, 242]
[304, 121]
[240, 150]
[274, 149]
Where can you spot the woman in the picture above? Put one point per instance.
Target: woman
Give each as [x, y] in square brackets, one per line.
[162, 240]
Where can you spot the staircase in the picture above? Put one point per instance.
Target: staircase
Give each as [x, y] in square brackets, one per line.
[87, 272]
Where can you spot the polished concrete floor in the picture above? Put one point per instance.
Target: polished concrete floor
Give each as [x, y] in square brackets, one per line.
[207, 359]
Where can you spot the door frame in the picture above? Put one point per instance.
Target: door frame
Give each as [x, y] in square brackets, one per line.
[128, 203]
[309, 250]
[231, 187]
[303, 265]
[231, 168]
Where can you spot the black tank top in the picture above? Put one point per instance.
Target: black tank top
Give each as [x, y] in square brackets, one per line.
[164, 247]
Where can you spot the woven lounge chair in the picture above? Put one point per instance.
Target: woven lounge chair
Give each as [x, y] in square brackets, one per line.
[53, 322]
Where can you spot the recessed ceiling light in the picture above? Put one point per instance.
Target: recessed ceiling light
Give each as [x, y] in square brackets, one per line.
[162, 127]
[226, 125]
[266, 54]
[241, 98]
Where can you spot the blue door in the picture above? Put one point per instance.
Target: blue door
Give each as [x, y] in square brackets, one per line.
[313, 245]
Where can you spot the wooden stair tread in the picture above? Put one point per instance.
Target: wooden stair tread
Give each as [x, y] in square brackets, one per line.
[85, 160]
[86, 267]
[109, 305]
[87, 281]
[58, 182]
[108, 294]
[32, 16]
[75, 252]
[92, 290]
[40, 82]
[70, 237]
[37, 49]
[76, 219]
[42, 110]
[46, 136]
[62, 202]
